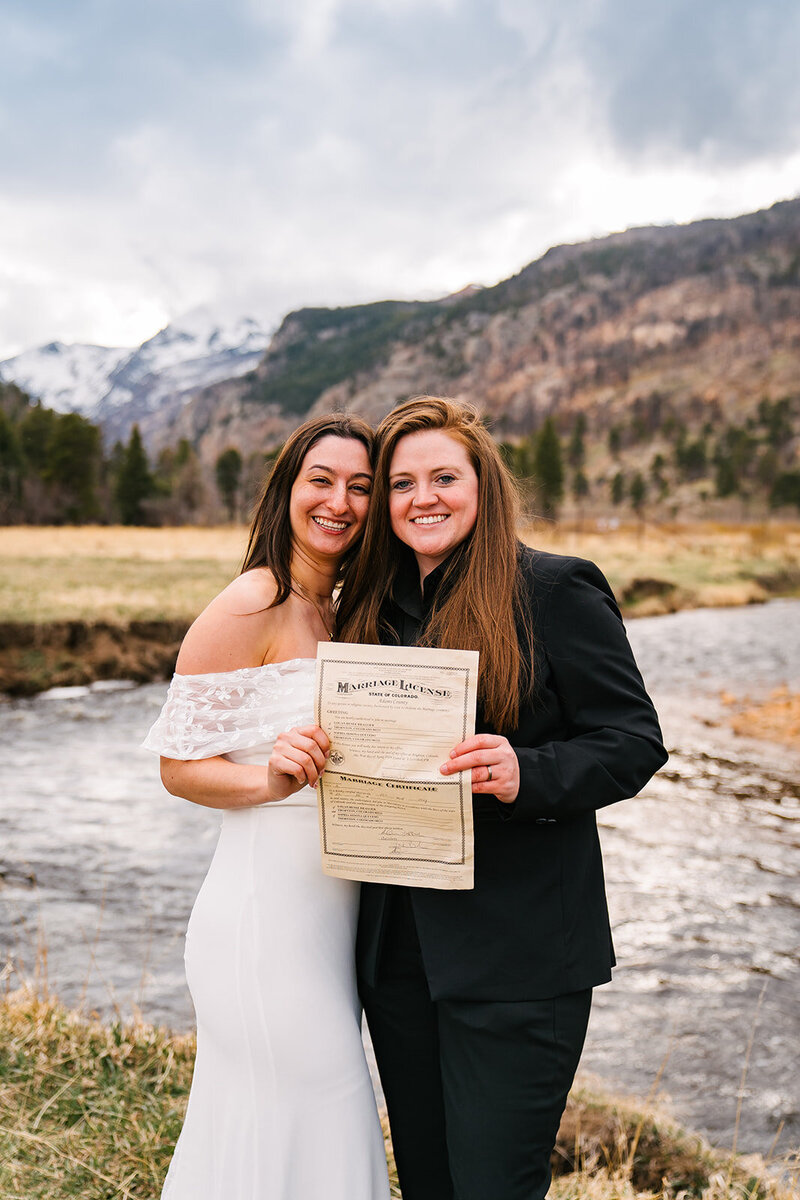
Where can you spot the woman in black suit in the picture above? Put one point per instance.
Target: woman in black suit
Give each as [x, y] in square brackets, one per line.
[477, 1001]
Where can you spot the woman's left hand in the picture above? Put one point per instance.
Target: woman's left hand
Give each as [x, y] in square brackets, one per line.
[495, 766]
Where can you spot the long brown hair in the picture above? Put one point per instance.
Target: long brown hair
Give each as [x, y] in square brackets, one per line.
[479, 603]
[270, 540]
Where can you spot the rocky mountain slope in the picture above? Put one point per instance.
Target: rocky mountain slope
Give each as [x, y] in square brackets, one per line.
[691, 322]
[678, 347]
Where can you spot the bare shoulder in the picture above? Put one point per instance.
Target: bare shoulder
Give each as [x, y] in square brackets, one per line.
[234, 630]
[249, 593]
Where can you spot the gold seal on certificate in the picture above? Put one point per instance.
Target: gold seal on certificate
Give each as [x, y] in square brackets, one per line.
[393, 714]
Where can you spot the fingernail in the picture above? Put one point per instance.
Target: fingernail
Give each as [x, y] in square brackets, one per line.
[444, 768]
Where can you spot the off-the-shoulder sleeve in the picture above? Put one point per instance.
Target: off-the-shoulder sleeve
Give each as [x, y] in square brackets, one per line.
[205, 715]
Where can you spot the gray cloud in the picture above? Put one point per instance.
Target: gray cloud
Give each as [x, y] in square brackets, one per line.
[84, 74]
[177, 152]
[717, 79]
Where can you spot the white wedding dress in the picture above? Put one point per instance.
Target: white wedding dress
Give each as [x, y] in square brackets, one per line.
[281, 1105]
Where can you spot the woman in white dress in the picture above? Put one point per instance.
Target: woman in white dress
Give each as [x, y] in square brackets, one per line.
[281, 1105]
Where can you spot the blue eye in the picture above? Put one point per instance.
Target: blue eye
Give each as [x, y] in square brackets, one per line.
[445, 478]
[400, 485]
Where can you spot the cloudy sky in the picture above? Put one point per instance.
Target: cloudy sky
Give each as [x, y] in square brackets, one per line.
[259, 155]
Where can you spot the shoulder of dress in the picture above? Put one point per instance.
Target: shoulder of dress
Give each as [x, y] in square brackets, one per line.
[221, 711]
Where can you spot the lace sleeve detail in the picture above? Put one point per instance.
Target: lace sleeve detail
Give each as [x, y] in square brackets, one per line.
[206, 715]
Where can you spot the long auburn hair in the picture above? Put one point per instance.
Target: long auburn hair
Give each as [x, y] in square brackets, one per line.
[270, 540]
[479, 603]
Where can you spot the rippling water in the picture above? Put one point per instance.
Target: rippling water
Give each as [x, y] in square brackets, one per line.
[99, 868]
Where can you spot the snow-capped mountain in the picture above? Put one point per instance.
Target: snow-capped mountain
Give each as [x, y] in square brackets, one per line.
[66, 378]
[148, 384]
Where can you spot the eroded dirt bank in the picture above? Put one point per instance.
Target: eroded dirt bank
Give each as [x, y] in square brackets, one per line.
[35, 657]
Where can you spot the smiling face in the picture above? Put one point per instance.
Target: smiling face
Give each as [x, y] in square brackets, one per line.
[433, 495]
[330, 497]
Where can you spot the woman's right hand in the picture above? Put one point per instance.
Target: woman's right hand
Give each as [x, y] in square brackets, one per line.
[297, 760]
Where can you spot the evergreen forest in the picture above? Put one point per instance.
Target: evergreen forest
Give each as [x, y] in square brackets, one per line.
[55, 469]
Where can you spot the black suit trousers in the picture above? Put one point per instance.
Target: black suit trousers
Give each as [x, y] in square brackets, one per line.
[475, 1089]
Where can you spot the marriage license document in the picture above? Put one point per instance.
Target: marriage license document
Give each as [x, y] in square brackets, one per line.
[393, 714]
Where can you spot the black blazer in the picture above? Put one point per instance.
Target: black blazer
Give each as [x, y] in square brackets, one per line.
[536, 924]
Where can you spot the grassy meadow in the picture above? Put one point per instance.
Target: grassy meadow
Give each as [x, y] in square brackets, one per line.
[119, 574]
[655, 568]
[92, 1110]
[113, 573]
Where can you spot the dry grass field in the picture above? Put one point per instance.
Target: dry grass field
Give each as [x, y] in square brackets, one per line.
[119, 574]
[93, 1110]
[114, 573]
[656, 568]
[776, 719]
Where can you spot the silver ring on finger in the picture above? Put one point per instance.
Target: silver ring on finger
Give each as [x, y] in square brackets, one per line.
[489, 778]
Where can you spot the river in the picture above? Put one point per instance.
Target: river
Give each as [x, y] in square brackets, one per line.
[99, 868]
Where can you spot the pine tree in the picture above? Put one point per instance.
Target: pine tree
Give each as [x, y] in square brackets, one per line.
[11, 469]
[189, 491]
[576, 452]
[618, 488]
[768, 467]
[785, 490]
[725, 478]
[691, 458]
[657, 475]
[777, 418]
[548, 469]
[580, 485]
[35, 433]
[637, 493]
[134, 482]
[72, 466]
[229, 474]
[736, 448]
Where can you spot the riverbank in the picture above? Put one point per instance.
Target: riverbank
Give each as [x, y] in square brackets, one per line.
[92, 1110]
[102, 867]
[35, 657]
[85, 604]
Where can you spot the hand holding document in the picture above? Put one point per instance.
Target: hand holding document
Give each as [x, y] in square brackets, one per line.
[393, 714]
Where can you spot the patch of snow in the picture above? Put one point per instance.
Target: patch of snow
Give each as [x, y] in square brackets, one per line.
[66, 378]
[118, 386]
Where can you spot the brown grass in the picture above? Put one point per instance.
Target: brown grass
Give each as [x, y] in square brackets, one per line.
[114, 573]
[175, 543]
[120, 574]
[656, 568]
[776, 719]
[92, 1110]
